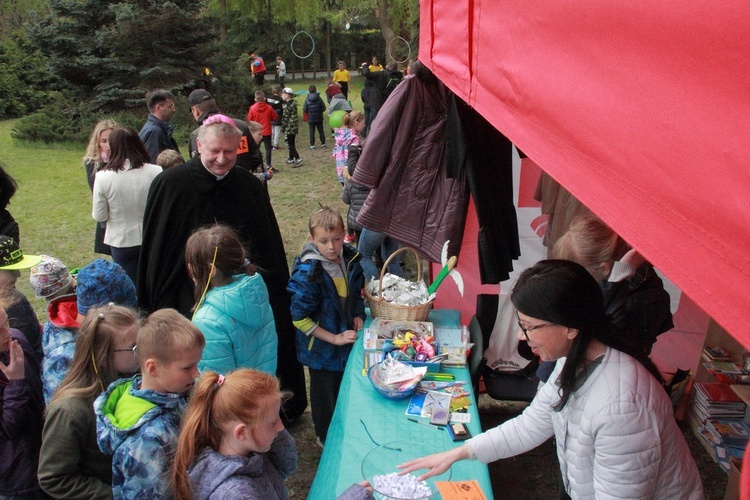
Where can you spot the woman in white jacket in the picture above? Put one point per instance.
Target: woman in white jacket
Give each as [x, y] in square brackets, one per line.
[615, 432]
[120, 192]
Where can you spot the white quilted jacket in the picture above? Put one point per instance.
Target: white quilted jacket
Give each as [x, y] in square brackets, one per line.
[616, 436]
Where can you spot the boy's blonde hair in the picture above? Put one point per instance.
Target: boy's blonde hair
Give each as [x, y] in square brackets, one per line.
[326, 218]
[254, 126]
[260, 96]
[169, 158]
[165, 336]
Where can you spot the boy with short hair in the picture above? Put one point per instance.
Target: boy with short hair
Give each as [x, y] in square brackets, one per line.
[327, 309]
[169, 158]
[264, 114]
[138, 419]
[314, 107]
[290, 126]
[256, 157]
[276, 102]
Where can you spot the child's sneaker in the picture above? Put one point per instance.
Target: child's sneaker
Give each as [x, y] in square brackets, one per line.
[290, 161]
[297, 163]
[323, 145]
[312, 147]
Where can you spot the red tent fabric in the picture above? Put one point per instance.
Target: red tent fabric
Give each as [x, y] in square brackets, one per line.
[640, 109]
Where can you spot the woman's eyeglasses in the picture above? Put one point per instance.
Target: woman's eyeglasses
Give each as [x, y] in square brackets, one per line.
[526, 330]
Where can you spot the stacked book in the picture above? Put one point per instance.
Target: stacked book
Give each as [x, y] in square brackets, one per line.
[716, 401]
[716, 353]
[732, 433]
[718, 413]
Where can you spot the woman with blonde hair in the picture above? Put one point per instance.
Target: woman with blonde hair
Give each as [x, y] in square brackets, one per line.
[70, 463]
[97, 155]
[634, 296]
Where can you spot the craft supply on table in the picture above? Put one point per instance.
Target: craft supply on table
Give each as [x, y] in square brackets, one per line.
[383, 461]
[393, 379]
[427, 424]
[402, 487]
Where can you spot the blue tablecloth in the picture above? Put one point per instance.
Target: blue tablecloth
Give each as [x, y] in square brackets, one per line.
[348, 442]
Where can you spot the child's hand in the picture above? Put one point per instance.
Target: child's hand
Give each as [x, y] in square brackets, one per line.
[16, 368]
[358, 324]
[346, 337]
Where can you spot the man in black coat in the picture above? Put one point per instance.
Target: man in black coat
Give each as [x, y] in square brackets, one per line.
[203, 191]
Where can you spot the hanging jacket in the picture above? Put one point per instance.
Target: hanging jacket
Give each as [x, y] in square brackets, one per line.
[58, 342]
[405, 162]
[314, 296]
[139, 428]
[238, 324]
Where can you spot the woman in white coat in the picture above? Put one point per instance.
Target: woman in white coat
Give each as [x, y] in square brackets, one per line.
[120, 192]
[615, 432]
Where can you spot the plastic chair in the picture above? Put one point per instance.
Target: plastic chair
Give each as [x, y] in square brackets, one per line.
[503, 386]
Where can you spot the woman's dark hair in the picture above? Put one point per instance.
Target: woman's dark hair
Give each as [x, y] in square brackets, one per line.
[564, 293]
[124, 144]
[8, 187]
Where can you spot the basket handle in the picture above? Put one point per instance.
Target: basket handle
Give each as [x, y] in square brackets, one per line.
[388, 261]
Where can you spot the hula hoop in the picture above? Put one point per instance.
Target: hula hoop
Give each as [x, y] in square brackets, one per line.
[291, 45]
[353, 92]
[408, 46]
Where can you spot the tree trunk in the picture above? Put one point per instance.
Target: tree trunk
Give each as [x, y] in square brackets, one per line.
[385, 28]
[328, 48]
[223, 26]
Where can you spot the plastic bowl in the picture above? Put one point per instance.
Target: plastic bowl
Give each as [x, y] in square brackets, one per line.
[372, 374]
[384, 459]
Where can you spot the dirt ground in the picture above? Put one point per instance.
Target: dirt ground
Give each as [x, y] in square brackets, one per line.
[533, 475]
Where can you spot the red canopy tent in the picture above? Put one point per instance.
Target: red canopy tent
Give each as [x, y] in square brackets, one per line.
[640, 109]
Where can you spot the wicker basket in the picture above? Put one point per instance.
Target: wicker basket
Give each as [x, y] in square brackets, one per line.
[380, 308]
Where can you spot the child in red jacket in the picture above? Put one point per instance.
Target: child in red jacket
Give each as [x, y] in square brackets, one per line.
[264, 114]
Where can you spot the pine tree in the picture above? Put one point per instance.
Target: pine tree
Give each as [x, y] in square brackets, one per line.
[112, 52]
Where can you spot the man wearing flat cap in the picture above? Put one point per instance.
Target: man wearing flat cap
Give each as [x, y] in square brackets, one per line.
[202, 105]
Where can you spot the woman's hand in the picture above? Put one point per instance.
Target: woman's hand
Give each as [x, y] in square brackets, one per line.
[437, 463]
[633, 258]
[16, 368]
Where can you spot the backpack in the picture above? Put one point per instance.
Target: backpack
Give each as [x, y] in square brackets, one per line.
[393, 82]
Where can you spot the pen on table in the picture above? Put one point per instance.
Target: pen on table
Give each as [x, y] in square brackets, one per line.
[423, 423]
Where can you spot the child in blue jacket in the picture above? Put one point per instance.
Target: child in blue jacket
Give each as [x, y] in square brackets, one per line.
[138, 419]
[327, 309]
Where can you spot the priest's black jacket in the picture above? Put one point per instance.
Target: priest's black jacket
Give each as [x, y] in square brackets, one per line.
[185, 198]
